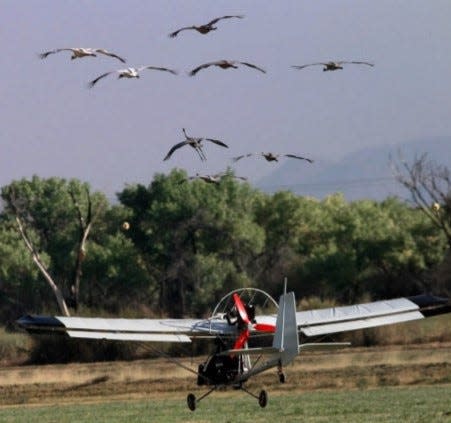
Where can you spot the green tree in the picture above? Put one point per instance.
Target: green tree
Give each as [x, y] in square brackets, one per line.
[54, 218]
[19, 277]
[282, 217]
[181, 226]
[116, 277]
[366, 247]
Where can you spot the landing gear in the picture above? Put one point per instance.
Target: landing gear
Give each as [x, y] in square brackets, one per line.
[280, 373]
[200, 375]
[263, 399]
[191, 400]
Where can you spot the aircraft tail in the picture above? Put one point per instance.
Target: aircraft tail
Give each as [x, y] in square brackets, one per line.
[286, 340]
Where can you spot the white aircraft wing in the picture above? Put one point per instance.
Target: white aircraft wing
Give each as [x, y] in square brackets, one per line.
[309, 322]
[153, 330]
[360, 316]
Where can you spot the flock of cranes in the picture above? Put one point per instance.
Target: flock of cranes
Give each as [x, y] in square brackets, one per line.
[196, 143]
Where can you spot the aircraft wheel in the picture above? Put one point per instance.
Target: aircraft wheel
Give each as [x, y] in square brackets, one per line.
[263, 399]
[191, 400]
[282, 377]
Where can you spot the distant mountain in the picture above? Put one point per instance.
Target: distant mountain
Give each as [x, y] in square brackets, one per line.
[362, 174]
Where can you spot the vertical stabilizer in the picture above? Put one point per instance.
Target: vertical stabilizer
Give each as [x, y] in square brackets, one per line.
[286, 336]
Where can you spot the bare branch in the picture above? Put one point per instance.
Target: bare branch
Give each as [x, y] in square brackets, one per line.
[85, 225]
[429, 185]
[37, 259]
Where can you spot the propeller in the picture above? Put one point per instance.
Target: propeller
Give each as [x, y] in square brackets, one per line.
[243, 314]
[241, 308]
[241, 340]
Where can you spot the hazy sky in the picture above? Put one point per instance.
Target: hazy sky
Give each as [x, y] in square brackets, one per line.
[119, 131]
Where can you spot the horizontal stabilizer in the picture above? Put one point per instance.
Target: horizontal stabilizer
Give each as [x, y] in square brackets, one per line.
[250, 351]
[319, 346]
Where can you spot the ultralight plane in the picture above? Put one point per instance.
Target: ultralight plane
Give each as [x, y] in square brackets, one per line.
[236, 323]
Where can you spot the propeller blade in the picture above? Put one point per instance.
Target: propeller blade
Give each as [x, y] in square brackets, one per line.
[264, 327]
[241, 309]
[241, 340]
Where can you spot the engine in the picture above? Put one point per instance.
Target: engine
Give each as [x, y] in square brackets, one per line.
[219, 369]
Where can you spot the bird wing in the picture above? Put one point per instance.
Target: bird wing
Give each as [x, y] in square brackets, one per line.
[224, 17]
[205, 65]
[175, 147]
[252, 66]
[107, 53]
[94, 81]
[235, 159]
[356, 63]
[222, 175]
[175, 33]
[219, 175]
[47, 53]
[299, 157]
[310, 64]
[158, 68]
[217, 142]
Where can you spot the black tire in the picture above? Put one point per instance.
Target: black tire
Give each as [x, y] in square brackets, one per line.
[263, 399]
[282, 377]
[191, 400]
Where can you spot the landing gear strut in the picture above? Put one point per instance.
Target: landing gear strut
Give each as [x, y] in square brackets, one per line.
[280, 373]
[192, 400]
[262, 398]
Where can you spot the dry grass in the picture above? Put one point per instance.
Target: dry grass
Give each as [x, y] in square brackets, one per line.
[352, 368]
[13, 346]
[75, 373]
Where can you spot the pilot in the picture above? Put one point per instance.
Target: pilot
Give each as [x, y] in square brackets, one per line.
[232, 316]
[250, 310]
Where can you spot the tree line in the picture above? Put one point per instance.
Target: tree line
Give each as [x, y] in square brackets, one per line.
[175, 247]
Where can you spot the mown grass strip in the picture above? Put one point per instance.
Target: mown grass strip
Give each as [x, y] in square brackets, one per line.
[410, 404]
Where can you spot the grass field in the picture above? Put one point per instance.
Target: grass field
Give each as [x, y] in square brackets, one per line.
[408, 404]
[410, 383]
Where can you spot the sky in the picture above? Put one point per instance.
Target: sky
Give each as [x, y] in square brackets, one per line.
[118, 132]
